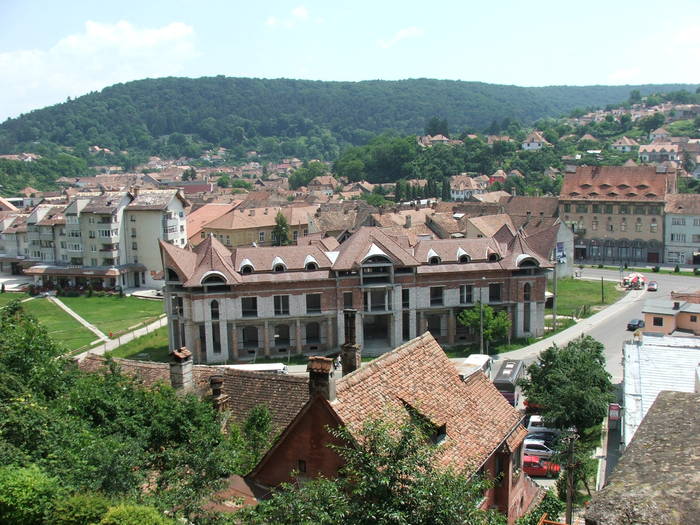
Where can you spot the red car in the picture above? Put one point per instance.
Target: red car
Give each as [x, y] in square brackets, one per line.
[540, 467]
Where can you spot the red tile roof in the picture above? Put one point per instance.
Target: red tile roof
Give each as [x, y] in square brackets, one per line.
[617, 183]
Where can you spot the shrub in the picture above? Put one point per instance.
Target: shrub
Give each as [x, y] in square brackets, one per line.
[550, 504]
[126, 514]
[2, 289]
[676, 269]
[31, 290]
[696, 271]
[600, 266]
[80, 509]
[26, 495]
[626, 266]
[655, 269]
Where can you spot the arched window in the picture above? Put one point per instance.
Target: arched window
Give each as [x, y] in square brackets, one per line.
[247, 268]
[313, 333]
[527, 292]
[464, 259]
[172, 275]
[434, 260]
[494, 257]
[214, 308]
[214, 279]
[311, 266]
[279, 268]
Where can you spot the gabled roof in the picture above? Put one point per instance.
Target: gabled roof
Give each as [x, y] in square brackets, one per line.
[625, 141]
[616, 183]
[419, 375]
[358, 247]
[536, 136]
[683, 204]
[212, 257]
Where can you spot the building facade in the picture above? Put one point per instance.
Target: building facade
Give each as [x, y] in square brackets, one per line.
[682, 229]
[235, 305]
[616, 213]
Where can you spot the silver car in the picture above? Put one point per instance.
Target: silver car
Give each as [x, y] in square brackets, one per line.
[537, 447]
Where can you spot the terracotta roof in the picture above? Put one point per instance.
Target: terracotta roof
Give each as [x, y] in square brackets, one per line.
[625, 141]
[521, 205]
[418, 376]
[658, 147]
[212, 256]
[449, 250]
[206, 214]
[617, 183]
[6, 205]
[491, 196]
[683, 204]
[324, 180]
[241, 219]
[590, 137]
[660, 131]
[293, 257]
[370, 241]
[53, 217]
[462, 183]
[536, 136]
[488, 225]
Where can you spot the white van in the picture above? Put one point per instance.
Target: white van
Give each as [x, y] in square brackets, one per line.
[475, 363]
[536, 424]
[270, 368]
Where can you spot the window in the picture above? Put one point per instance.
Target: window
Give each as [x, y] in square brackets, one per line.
[301, 464]
[250, 337]
[641, 210]
[495, 292]
[347, 299]
[608, 208]
[132, 218]
[653, 228]
[214, 308]
[567, 208]
[434, 260]
[611, 227]
[246, 268]
[91, 234]
[216, 338]
[405, 298]
[594, 225]
[658, 321]
[678, 221]
[623, 225]
[313, 333]
[678, 237]
[313, 303]
[466, 294]
[312, 266]
[295, 235]
[249, 306]
[581, 208]
[281, 304]
[623, 210]
[527, 292]
[696, 238]
[436, 296]
[261, 236]
[134, 246]
[281, 335]
[278, 268]
[93, 262]
[596, 208]
[464, 259]
[693, 318]
[696, 222]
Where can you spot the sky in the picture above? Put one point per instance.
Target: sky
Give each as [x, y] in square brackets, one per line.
[54, 49]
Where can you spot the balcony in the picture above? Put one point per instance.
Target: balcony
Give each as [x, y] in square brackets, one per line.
[579, 231]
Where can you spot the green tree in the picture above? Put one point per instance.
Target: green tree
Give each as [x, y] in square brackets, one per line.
[224, 181]
[496, 325]
[27, 495]
[134, 515]
[390, 476]
[80, 509]
[437, 126]
[280, 233]
[445, 189]
[189, 174]
[635, 96]
[257, 430]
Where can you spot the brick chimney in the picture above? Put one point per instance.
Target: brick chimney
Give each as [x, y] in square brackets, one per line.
[218, 398]
[251, 213]
[321, 377]
[181, 370]
[408, 222]
[350, 352]
[676, 305]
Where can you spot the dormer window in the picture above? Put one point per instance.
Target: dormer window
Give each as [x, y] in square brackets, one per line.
[494, 257]
[213, 279]
[247, 269]
[312, 266]
[434, 260]
[464, 259]
[172, 275]
[279, 268]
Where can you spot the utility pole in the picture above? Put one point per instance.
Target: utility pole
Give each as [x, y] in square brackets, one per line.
[602, 291]
[554, 299]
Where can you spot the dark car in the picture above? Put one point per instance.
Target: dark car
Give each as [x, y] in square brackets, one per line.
[653, 286]
[635, 324]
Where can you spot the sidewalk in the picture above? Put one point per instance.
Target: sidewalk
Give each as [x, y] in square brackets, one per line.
[111, 344]
[580, 328]
[75, 316]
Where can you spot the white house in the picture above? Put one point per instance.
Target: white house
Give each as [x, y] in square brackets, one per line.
[534, 141]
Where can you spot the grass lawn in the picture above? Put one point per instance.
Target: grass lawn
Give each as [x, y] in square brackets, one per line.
[113, 313]
[648, 271]
[7, 297]
[61, 326]
[575, 293]
[149, 347]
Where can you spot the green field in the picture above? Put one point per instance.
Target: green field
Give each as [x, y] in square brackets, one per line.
[574, 293]
[61, 327]
[149, 347]
[7, 297]
[113, 313]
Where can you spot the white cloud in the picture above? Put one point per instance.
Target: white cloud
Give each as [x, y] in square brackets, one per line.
[103, 54]
[402, 34]
[296, 16]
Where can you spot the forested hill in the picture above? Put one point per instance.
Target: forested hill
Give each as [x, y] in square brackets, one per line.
[227, 111]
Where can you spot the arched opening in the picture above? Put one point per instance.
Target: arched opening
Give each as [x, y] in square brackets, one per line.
[494, 257]
[247, 269]
[213, 279]
[214, 309]
[172, 275]
[376, 270]
[282, 335]
[527, 294]
[464, 259]
[311, 266]
[434, 260]
[279, 268]
[313, 333]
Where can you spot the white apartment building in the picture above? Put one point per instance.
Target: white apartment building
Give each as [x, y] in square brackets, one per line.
[682, 229]
[13, 243]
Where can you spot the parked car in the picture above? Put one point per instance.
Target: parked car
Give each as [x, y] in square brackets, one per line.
[537, 447]
[549, 438]
[653, 286]
[536, 424]
[539, 467]
[635, 324]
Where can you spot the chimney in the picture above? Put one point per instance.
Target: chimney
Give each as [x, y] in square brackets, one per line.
[181, 370]
[321, 380]
[350, 352]
[251, 212]
[408, 221]
[218, 398]
[676, 305]
[265, 211]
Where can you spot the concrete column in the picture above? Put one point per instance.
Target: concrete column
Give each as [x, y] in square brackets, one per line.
[266, 339]
[340, 326]
[329, 327]
[208, 351]
[412, 323]
[297, 336]
[190, 340]
[233, 350]
[223, 335]
[451, 327]
[396, 328]
[171, 334]
[359, 333]
[422, 323]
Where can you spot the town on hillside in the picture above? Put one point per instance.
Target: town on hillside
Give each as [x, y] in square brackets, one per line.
[502, 320]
